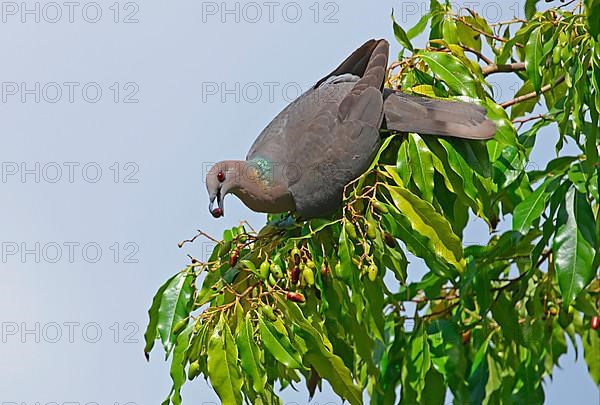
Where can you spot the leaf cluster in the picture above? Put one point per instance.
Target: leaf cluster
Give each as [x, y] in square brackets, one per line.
[329, 298]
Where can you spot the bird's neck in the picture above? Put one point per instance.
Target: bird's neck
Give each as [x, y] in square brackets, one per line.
[252, 177]
[258, 188]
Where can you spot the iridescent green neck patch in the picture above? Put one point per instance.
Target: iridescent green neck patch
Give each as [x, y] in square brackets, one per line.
[264, 170]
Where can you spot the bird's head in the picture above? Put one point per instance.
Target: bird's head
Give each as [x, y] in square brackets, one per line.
[221, 180]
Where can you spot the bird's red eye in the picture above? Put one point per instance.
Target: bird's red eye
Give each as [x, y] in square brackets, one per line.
[221, 177]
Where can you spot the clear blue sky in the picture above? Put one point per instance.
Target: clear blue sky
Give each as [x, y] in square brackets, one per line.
[108, 187]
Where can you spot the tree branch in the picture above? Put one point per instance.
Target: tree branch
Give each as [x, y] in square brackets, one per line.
[533, 94]
[511, 67]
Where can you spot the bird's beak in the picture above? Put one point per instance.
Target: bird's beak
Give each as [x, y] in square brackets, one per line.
[217, 211]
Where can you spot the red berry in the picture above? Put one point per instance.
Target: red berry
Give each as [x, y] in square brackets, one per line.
[596, 322]
[324, 270]
[466, 337]
[233, 258]
[295, 297]
[217, 212]
[295, 275]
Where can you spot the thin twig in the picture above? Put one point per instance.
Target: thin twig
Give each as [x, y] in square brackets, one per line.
[479, 55]
[200, 233]
[522, 121]
[533, 94]
[531, 118]
[513, 21]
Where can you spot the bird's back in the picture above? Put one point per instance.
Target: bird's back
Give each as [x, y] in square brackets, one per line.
[327, 137]
[274, 141]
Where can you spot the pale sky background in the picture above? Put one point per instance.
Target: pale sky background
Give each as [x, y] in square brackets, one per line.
[162, 143]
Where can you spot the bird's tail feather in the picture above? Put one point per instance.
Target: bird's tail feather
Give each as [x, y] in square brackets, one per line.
[427, 116]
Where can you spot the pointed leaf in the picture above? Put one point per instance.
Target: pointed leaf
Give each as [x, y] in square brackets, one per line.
[250, 356]
[400, 34]
[175, 306]
[152, 330]
[574, 246]
[223, 369]
[429, 223]
[533, 58]
[178, 363]
[279, 345]
[532, 207]
[328, 365]
[450, 69]
[421, 165]
[420, 26]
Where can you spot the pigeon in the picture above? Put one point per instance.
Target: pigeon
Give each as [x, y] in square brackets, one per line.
[327, 137]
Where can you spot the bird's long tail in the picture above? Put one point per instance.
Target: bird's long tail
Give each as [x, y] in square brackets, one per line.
[408, 113]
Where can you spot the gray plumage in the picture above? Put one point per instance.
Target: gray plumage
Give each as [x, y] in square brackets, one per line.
[328, 137]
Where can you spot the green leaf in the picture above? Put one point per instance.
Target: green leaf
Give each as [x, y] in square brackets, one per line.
[450, 30]
[506, 134]
[250, 356]
[345, 253]
[420, 359]
[429, 223]
[530, 8]
[403, 164]
[178, 363]
[400, 34]
[480, 356]
[520, 36]
[593, 19]
[328, 365]
[474, 152]
[533, 58]
[468, 36]
[152, 330]
[556, 167]
[434, 392]
[531, 391]
[399, 226]
[421, 164]
[223, 370]
[451, 70]
[574, 246]
[505, 314]
[526, 106]
[278, 345]
[532, 207]
[477, 382]
[419, 27]
[374, 300]
[508, 167]
[175, 305]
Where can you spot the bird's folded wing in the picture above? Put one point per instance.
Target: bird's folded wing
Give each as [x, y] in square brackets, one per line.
[339, 143]
[408, 113]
